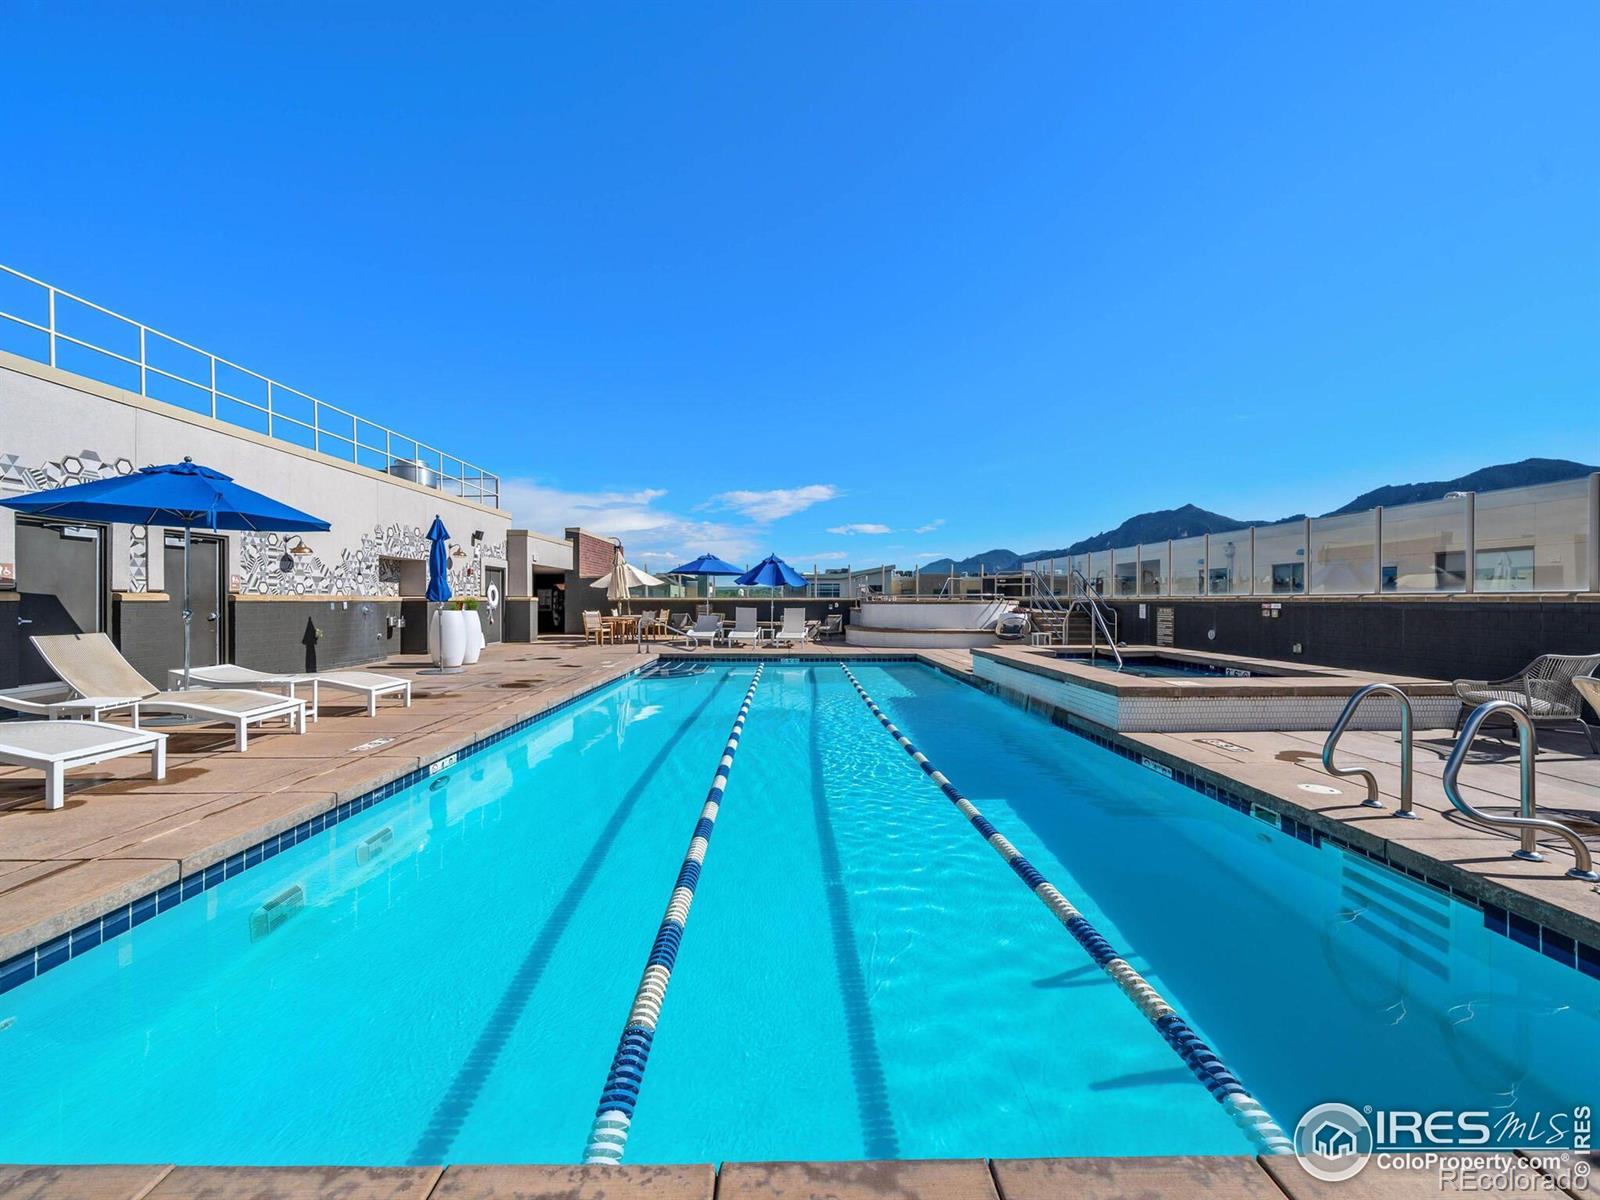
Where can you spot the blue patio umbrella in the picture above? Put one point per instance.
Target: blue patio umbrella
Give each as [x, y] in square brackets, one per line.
[182, 494]
[706, 564]
[771, 572]
[438, 563]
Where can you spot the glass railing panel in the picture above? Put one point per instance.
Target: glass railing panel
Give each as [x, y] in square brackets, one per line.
[1189, 567]
[1344, 554]
[1125, 571]
[1280, 559]
[1229, 570]
[1533, 539]
[1153, 570]
[1424, 546]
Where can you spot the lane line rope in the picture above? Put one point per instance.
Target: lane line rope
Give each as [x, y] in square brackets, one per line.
[608, 1136]
[1223, 1085]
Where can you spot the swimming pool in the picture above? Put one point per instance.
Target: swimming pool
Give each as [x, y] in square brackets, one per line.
[862, 977]
[1151, 666]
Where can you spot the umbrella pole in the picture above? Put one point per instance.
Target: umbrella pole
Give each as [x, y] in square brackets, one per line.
[187, 613]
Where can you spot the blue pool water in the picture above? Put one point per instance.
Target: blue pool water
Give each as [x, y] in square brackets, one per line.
[861, 975]
[1152, 667]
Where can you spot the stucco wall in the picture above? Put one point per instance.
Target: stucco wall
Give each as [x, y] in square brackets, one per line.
[57, 428]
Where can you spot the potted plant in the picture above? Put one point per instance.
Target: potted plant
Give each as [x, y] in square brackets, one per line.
[472, 625]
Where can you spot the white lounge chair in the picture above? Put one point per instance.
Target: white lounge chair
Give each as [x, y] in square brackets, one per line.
[367, 684]
[66, 705]
[54, 746]
[92, 666]
[707, 628]
[794, 630]
[745, 628]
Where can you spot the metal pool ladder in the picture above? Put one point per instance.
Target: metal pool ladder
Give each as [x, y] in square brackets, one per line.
[1528, 821]
[1337, 732]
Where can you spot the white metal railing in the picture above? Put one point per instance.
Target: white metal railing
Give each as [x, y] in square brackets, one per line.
[225, 391]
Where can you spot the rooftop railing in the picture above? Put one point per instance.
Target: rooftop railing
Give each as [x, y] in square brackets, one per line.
[48, 325]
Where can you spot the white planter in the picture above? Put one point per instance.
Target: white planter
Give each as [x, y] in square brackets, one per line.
[472, 623]
[447, 637]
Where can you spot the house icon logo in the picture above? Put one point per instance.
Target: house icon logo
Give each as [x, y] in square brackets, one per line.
[1333, 1142]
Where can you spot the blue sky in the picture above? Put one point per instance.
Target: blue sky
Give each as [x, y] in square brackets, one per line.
[851, 281]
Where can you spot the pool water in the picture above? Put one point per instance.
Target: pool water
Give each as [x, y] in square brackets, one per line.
[861, 975]
[1151, 667]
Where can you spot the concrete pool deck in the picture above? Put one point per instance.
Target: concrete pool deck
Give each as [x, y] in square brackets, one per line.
[1239, 1178]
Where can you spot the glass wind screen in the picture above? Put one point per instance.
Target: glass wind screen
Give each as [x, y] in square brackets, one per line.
[1100, 577]
[1280, 566]
[1344, 553]
[1125, 571]
[1188, 576]
[1229, 571]
[1153, 569]
[1425, 547]
[1532, 539]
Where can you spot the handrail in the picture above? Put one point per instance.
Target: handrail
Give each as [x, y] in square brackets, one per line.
[1337, 732]
[325, 428]
[1528, 821]
[1085, 595]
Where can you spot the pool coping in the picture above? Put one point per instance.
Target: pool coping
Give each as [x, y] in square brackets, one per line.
[1311, 681]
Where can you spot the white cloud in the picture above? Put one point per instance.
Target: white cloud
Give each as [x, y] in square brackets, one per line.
[930, 526]
[860, 527]
[775, 504]
[647, 532]
[821, 557]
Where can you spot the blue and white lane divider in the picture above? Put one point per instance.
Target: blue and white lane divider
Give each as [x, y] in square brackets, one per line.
[608, 1137]
[1246, 1112]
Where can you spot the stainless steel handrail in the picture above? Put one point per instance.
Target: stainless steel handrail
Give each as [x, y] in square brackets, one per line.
[1083, 594]
[325, 428]
[1528, 821]
[1337, 732]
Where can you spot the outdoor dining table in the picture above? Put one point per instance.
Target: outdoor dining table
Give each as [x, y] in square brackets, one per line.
[622, 625]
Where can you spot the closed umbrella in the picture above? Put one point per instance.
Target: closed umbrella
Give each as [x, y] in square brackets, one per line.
[438, 563]
[185, 495]
[771, 572]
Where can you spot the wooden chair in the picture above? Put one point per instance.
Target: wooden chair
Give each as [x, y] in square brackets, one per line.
[594, 629]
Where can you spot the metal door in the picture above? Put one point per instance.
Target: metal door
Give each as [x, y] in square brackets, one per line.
[60, 586]
[207, 563]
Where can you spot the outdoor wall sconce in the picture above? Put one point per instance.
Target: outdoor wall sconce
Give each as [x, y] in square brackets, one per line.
[296, 548]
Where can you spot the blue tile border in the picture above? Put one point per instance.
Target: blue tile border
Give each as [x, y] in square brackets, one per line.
[30, 964]
[1524, 931]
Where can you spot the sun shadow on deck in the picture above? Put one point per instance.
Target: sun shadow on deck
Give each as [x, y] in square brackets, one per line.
[455, 1106]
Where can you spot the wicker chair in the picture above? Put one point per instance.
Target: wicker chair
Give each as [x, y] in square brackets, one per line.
[1543, 689]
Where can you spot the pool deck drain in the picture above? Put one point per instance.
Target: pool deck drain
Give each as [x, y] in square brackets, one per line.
[953, 1179]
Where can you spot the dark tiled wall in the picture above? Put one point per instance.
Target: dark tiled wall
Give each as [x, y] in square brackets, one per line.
[1441, 639]
[313, 635]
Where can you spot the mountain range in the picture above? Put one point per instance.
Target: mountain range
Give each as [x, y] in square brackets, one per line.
[1190, 520]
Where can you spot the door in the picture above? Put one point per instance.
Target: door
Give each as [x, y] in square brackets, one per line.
[208, 561]
[60, 587]
[494, 599]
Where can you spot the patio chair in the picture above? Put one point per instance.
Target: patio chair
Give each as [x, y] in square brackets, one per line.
[794, 630]
[594, 628]
[745, 627]
[832, 626]
[91, 665]
[1543, 689]
[707, 628]
[369, 685]
[55, 746]
[65, 704]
